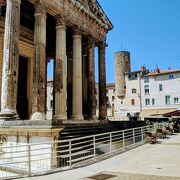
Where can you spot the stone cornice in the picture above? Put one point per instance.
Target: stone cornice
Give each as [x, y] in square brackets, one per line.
[77, 14]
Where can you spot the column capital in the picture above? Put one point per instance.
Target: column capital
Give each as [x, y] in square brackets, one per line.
[77, 30]
[102, 45]
[91, 42]
[60, 20]
[40, 7]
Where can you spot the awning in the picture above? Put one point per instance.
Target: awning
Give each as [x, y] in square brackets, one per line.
[158, 116]
[172, 114]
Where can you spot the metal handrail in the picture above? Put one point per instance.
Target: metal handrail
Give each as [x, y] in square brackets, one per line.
[68, 153]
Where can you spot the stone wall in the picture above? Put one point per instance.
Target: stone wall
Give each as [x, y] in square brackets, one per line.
[122, 66]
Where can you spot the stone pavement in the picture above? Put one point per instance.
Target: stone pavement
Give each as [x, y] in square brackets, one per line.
[159, 161]
[128, 176]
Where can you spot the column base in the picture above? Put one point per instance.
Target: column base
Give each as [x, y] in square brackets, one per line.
[77, 117]
[93, 117]
[9, 116]
[60, 117]
[38, 116]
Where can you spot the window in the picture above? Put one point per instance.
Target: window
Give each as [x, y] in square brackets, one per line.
[133, 91]
[51, 104]
[112, 98]
[147, 102]
[153, 101]
[132, 102]
[176, 100]
[167, 99]
[132, 76]
[160, 87]
[121, 102]
[171, 76]
[146, 79]
[146, 89]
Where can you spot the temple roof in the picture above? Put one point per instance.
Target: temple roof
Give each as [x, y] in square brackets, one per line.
[96, 9]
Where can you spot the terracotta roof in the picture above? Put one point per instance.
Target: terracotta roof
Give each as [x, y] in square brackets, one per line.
[49, 80]
[162, 72]
[110, 85]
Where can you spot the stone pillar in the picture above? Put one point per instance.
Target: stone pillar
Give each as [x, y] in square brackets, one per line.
[60, 70]
[39, 71]
[85, 80]
[102, 82]
[69, 83]
[10, 60]
[77, 76]
[91, 80]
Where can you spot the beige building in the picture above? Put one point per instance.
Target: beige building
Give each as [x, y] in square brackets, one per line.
[33, 31]
[160, 93]
[148, 95]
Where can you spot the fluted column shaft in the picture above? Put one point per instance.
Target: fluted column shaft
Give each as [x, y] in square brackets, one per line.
[39, 71]
[10, 60]
[60, 69]
[91, 80]
[102, 82]
[69, 83]
[77, 76]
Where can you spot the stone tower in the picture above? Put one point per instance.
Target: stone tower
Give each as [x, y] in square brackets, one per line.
[122, 66]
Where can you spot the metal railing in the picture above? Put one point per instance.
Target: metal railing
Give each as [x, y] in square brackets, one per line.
[31, 159]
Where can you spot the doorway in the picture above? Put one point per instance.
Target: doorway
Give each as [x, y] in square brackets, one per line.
[22, 99]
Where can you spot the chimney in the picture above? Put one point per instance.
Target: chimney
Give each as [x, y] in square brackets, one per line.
[143, 68]
[157, 70]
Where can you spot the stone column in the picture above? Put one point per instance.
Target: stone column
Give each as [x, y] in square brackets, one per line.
[60, 70]
[10, 60]
[39, 71]
[85, 80]
[77, 76]
[69, 83]
[91, 80]
[102, 82]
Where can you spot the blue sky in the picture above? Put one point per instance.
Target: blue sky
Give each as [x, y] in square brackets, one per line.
[149, 29]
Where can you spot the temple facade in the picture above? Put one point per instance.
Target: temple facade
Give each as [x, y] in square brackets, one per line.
[34, 31]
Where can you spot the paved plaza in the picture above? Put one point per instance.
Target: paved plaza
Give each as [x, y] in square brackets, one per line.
[149, 161]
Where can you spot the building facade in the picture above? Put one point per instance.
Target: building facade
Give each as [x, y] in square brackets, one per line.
[33, 31]
[129, 106]
[148, 95]
[143, 94]
[160, 92]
